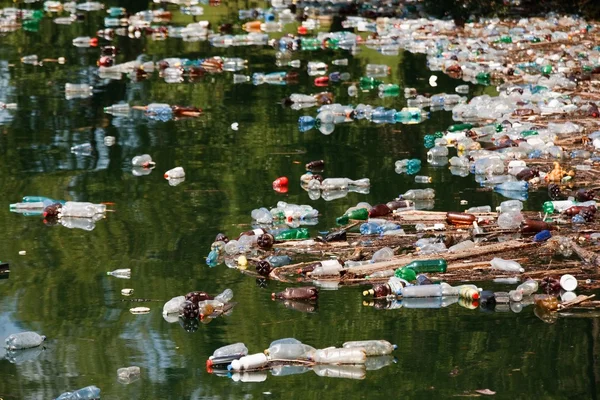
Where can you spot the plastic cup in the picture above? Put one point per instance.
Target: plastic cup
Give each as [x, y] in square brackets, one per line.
[568, 282]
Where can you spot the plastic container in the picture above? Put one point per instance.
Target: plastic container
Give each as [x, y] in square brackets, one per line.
[372, 347]
[250, 362]
[340, 356]
[24, 340]
[568, 282]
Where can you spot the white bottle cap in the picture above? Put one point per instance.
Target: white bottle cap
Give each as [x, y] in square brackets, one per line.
[568, 282]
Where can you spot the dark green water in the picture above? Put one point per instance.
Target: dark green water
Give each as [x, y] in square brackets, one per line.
[163, 233]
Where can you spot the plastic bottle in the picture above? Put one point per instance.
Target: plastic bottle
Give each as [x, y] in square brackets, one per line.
[340, 356]
[464, 245]
[372, 347]
[86, 393]
[341, 371]
[360, 214]
[124, 273]
[289, 351]
[526, 288]
[144, 161]
[231, 349]
[422, 291]
[512, 186]
[428, 266]
[81, 209]
[128, 374]
[174, 306]
[300, 293]
[252, 361]
[419, 194]
[383, 254]
[422, 179]
[175, 173]
[119, 109]
[465, 291]
[393, 287]
[85, 41]
[24, 340]
[506, 265]
[458, 218]
[510, 205]
[341, 62]
[291, 234]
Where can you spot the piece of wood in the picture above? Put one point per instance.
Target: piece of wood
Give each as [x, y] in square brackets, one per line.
[578, 300]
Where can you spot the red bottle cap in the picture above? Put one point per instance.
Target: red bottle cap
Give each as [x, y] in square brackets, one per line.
[94, 42]
[209, 365]
[322, 81]
[302, 30]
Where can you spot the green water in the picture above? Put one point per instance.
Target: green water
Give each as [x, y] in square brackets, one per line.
[60, 288]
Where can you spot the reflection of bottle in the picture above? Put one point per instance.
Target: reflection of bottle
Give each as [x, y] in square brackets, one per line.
[124, 273]
[372, 347]
[300, 293]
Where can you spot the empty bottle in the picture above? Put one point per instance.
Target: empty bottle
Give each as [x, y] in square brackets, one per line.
[465, 291]
[419, 194]
[428, 266]
[252, 361]
[510, 205]
[328, 268]
[422, 291]
[393, 287]
[526, 288]
[290, 351]
[464, 245]
[372, 347]
[506, 265]
[383, 254]
[128, 374]
[174, 306]
[300, 293]
[513, 186]
[340, 356]
[121, 109]
[124, 273]
[144, 161]
[342, 61]
[175, 173]
[231, 349]
[341, 371]
[510, 220]
[86, 393]
[24, 340]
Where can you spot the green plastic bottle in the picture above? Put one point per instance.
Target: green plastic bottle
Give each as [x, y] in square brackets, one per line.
[483, 78]
[546, 69]
[368, 82]
[291, 234]
[361, 214]
[389, 90]
[505, 39]
[529, 133]
[425, 266]
[310, 44]
[407, 274]
[31, 25]
[459, 127]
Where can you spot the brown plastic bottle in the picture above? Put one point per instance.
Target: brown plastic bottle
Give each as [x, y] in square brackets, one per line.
[196, 297]
[379, 210]
[584, 195]
[458, 218]
[534, 226]
[298, 293]
[574, 210]
[379, 290]
[265, 241]
[397, 204]
[316, 165]
[308, 268]
[264, 268]
[527, 174]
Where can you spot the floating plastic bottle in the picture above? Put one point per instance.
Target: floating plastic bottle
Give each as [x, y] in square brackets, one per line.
[86, 393]
[124, 273]
[506, 265]
[24, 340]
[372, 347]
[340, 356]
[252, 361]
[290, 351]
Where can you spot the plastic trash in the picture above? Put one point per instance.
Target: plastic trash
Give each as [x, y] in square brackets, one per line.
[372, 347]
[506, 265]
[123, 273]
[24, 340]
[86, 393]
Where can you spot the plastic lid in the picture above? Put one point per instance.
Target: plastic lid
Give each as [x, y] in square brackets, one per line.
[568, 282]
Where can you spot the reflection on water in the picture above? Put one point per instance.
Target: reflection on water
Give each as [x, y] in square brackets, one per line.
[163, 232]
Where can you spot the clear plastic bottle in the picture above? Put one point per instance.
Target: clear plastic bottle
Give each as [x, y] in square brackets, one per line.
[290, 351]
[144, 161]
[422, 179]
[341, 62]
[175, 173]
[340, 356]
[510, 205]
[372, 347]
[81, 209]
[467, 244]
[128, 374]
[328, 268]
[86, 393]
[419, 194]
[174, 306]
[123, 273]
[383, 254]
[526, 288]
[506, 265]
[24, 340]
[224, 297]
[422, 291]
[229, 350]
